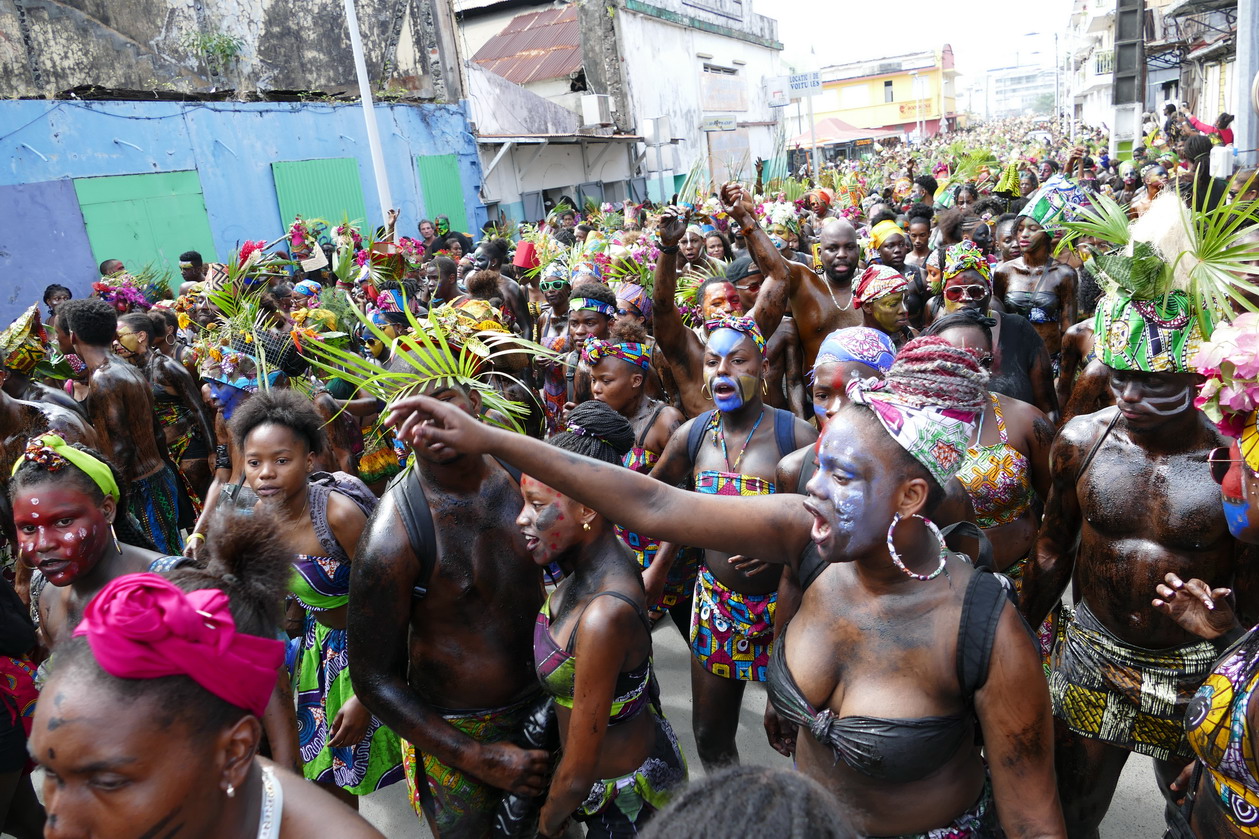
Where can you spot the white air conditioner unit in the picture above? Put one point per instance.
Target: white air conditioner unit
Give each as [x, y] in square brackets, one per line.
[596, 110]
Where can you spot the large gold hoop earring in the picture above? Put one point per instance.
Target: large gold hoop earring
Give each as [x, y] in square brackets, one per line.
[705, 391]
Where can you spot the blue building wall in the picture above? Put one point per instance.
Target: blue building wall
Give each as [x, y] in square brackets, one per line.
[230, 145]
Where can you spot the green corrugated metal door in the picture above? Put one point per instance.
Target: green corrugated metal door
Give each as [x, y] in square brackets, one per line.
[442, 189]
[329, 189]
[146, 219]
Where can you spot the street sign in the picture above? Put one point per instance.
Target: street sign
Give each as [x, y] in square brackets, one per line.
[805, 84]
[778, 91]
[719, 122]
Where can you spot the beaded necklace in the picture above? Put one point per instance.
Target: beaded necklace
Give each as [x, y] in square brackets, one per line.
[718, 425]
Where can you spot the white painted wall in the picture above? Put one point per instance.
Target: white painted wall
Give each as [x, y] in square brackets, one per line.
[665, 78]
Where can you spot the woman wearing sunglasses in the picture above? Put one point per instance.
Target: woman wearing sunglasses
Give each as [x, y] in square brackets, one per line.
[552, 323]
[1020, 363]
[1221, 788]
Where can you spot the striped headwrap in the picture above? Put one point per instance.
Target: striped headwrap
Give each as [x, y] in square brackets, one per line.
[633, 352]
[738, 323]
[578, 304]
[878, 281]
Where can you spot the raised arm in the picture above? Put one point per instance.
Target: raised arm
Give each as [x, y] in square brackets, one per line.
[777, 287]
[672, 336]
[382, 577]
[774, 528]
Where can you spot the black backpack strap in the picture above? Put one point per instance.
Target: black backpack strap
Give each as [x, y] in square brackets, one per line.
[986, 558]
[977, 630]
[696, 434]
[417, 518]
[785, 431]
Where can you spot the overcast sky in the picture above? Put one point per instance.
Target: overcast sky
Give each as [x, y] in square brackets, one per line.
[983, 34]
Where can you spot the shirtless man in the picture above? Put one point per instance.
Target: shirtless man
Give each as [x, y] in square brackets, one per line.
[120, 407]
[784, 376]
[819, 304]
[449, 625]
[1134, 483]
[731, 450]
[490, 256]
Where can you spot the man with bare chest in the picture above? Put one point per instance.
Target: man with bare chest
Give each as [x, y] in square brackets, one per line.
[120, 407]
[441, 619]
[1134, 484]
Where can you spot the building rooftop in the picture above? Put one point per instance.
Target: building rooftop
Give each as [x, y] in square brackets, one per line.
[923, 60]
[534, 47]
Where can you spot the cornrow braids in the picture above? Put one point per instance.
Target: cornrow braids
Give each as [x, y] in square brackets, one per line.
[929, 371]
[596, 430]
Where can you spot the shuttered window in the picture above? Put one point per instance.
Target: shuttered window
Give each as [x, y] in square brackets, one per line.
[329, 189]
[442, 189]
[146, 219]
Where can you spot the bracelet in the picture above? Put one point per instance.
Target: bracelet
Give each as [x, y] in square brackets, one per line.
[747, 231]
[669, 249]
[222, 458]
[195, 535]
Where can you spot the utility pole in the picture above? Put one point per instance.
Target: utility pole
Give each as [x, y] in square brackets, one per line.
[369, 113]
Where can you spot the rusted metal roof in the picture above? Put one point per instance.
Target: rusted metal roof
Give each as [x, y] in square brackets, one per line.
[535, 46]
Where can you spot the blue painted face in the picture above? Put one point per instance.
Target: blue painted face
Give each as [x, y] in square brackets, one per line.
[229, 396]
[730, 393]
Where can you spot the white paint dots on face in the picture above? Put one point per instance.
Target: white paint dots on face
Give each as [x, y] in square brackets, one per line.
[35, 502]
[34, 515]
[82, 532]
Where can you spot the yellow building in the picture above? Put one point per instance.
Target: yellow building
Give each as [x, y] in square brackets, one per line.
[913, 93]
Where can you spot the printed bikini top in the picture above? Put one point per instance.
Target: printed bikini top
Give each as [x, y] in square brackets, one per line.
[997, 478]
[557, 668]
[712, 482]
[639, 458]
[321, 583]
[1220, 734]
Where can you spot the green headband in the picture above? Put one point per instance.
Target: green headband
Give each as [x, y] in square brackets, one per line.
[53, 453]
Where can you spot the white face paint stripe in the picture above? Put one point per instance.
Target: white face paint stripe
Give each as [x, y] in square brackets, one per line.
[1176, 404]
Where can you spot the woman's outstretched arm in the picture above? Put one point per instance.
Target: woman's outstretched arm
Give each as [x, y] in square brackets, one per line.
[774, 528]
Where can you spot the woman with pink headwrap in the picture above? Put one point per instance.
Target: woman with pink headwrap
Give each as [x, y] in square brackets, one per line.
[151, 720]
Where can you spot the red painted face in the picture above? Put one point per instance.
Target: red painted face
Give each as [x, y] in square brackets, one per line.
[548, 521]
[61, 530]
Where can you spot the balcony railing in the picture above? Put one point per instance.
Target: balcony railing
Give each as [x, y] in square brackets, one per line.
[1104, 63]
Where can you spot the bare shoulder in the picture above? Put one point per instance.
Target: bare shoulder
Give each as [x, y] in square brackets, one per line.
[309, 811]
[1082, 432]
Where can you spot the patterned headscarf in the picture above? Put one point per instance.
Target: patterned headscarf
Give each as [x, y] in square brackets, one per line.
[636, 294]
[935, 437]
[966, 256]
[635, 353]
[308, 288]
[878, 281]
[857, 343]
[23, 342]
[582, 269]
[1058, 201]
[883, 231]
[578, 304]
[745, 325]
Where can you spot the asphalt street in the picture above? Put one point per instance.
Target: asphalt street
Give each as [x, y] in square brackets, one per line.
[1135, 812]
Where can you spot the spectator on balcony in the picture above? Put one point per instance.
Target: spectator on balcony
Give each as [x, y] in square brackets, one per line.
[1221, 127]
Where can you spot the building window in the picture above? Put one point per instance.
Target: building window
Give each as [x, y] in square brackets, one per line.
[720, 71]
[887, 91]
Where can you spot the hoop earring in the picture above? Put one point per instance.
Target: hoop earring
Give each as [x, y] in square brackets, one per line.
[705, 391]
[117, 547]
[764, 388]
[896, 559]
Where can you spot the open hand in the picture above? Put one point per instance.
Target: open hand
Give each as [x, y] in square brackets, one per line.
[781, 733]
[672, 225]
[1196, 607]
[749, 566]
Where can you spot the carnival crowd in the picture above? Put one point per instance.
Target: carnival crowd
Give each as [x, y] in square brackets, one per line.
[972, 421]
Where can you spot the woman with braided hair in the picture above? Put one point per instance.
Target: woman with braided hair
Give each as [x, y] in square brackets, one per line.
[592, 651]
[619, 371]
[888, 682]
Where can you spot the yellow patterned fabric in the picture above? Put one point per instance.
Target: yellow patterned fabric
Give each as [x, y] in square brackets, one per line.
[1106, 689]
[997, 478]
[1220, 734]
[22, 343]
